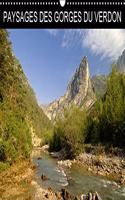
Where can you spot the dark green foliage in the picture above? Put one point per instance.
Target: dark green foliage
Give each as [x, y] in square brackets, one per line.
[107, 119]
[56, 143]
[19, 110]
[69, 133]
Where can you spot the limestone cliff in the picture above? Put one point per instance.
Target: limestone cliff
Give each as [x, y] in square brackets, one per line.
[36, 141]
[121, 63]
[79, 92]
[99, 83]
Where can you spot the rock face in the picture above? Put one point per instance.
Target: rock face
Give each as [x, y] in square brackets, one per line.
[36, 141]
[121, 63]
[99, 83]
[79, 92]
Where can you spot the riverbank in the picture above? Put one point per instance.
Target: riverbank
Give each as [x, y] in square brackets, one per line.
[110, 167]
[19, 182]
[49, 194]
[51, 181]
[15, 182]
[105, 165]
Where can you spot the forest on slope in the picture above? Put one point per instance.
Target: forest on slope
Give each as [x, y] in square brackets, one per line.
[19, 110]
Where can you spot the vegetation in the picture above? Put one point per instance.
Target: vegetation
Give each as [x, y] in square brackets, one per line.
[19, 110]
[20, 115]
[69, 132]
[104, 124]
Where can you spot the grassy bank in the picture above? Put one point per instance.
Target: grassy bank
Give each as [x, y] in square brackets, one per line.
[15, 182]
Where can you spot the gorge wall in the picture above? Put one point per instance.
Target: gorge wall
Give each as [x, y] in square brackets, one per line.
[121, 62]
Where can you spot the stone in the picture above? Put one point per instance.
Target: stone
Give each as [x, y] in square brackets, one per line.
[39, 158]
[65, 194]
[122, 180]
[58, 196]
[47, 195]
[76, 198]
[97, 197]
[65, 163]
[83, 197]
[90, 196]
[90, 169]
[50, 189]
[34, 167]
[44, 177]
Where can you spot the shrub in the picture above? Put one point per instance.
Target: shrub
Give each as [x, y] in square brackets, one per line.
[4, 166]
[69, 132]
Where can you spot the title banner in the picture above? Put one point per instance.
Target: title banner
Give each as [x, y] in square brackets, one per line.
[62, 14]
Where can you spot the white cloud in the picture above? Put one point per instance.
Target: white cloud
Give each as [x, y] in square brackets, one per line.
[71, 37]
[108, 43]
[52, 32]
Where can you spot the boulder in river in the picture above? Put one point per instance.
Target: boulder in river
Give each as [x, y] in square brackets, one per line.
[44, 177]
[39, 158]
[58, 196]
[66, 195]
[122, 180]
[97, 196]
[90, 196]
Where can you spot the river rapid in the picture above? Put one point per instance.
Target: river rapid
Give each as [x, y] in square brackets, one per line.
[76, 180]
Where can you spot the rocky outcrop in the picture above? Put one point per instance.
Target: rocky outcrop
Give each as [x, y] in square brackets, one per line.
[36, 141]
[44, 177]
[79, 92]
[99, 83]
[64, 194]
[121, 63]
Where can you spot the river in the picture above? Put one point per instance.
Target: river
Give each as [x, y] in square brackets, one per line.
[79, 181]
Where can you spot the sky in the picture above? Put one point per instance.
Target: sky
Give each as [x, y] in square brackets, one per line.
[49, 57]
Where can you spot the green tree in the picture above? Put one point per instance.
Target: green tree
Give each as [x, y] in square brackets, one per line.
[69, 132]
[106, 122]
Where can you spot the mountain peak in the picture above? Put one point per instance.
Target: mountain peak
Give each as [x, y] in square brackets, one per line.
[80, 80]
[84, 63]
[85, 59]
[79, 92]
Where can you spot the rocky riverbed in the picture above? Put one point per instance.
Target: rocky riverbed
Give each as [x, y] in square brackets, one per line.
[112, 167]
[53, 172]
[49, 194]
[19, 182]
